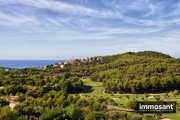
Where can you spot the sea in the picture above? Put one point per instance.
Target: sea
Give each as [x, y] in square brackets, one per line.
[27, 63]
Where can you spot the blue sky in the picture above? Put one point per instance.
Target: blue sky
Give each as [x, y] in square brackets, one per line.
[66, 29]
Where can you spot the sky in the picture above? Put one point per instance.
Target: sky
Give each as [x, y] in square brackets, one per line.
[68, 29]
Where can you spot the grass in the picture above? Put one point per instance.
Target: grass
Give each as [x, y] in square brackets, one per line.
[172, 116]
[95, 89]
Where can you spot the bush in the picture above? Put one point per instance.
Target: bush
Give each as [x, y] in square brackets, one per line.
[51, 114]
[175, 92]
[3, 102]
[115, 115]
[137, 117]
[132, 104]
[95, 116]
[178, 109]
[149, 116]
[7, 114]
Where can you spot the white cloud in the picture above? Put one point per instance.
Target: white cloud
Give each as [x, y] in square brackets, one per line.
[18, 19]
[53, 5]
[69, 10]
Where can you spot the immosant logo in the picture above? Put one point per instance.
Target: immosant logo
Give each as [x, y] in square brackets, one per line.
[156, 106]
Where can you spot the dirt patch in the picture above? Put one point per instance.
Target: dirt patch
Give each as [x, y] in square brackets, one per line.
[165, 119]
[12, 99]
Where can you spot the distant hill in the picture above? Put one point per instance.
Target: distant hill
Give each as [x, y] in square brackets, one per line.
[153, 54]
[131, 72]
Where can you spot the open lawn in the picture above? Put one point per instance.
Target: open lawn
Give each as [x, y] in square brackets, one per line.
[95, 89]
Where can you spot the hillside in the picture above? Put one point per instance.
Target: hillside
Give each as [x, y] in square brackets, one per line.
[85, 88]
[131, 72]
[139, 73]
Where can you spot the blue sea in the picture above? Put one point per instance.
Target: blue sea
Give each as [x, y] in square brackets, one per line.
[27, 63]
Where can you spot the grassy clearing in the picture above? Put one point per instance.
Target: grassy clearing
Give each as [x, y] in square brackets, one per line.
[95, 89]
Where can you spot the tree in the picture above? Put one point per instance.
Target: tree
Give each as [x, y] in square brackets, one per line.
[51, 114]
[7, 114]
[74, 113]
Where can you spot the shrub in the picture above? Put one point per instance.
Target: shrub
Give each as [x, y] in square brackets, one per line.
[132, 104]
[115, 115]
[95, 116]
[175, 92]
[137, 117]
[3, 102]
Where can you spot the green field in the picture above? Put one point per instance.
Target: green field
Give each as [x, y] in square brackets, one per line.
[95, 89]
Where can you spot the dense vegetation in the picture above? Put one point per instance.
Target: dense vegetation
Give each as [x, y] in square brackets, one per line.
[53, 93]
[139, 73]
[142, 72]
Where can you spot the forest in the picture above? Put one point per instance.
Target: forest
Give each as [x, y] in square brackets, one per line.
[54, 92]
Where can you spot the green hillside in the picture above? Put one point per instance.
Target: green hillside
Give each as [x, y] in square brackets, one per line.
[85, 88]
[141, 72]
[138, 73]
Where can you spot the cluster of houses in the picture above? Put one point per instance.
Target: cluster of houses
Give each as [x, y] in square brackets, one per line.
[97, 59]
